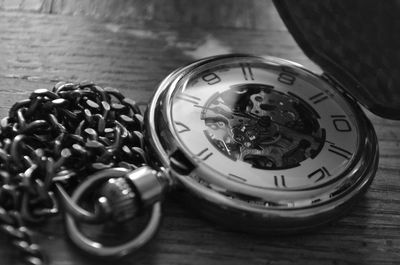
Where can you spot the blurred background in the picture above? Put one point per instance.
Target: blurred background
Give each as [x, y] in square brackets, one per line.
[245, 14]
[132, 43]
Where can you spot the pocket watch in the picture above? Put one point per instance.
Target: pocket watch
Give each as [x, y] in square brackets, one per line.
[255, 144]
[262, 144]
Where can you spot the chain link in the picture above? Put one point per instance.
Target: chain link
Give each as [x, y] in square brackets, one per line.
[61, 136]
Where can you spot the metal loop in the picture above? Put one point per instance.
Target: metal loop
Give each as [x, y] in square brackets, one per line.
[96, 248]
[72, 208]
[78, 213]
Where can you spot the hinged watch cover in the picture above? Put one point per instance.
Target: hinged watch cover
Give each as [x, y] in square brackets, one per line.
[357, 42]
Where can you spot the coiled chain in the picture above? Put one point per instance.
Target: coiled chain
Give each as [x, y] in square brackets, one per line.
[61, 136]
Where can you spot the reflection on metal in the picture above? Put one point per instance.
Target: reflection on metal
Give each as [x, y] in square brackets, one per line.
[149, 191]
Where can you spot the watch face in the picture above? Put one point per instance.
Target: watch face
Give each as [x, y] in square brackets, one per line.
[262, 124]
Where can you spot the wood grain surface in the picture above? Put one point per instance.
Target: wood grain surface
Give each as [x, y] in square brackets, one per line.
[39, 48]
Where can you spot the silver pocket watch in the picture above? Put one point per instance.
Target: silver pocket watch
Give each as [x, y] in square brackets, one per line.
[261, 144]
[256, 144]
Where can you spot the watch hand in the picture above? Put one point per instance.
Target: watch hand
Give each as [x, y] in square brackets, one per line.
[217, 110]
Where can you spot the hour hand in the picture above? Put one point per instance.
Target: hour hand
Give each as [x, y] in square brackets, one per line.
[217, 110]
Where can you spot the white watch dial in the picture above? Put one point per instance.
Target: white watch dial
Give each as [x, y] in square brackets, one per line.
[263, 125]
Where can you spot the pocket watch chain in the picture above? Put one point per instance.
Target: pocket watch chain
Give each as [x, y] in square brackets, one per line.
[55, 141]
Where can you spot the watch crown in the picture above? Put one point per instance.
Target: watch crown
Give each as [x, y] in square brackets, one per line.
[121, 199]
[126, 195]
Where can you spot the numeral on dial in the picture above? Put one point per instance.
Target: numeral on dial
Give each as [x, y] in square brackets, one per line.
[339, 151]
[182, 127]
[279, 181]
[247, 72]
[317, 98]
[211, 78]
[287, 76]
[340, 123]
[204, 154]
[319, 174]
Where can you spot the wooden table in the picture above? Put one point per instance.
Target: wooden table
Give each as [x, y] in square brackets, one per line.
[37, 50]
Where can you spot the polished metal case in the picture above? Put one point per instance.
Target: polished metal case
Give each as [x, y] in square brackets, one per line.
[243, 211]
